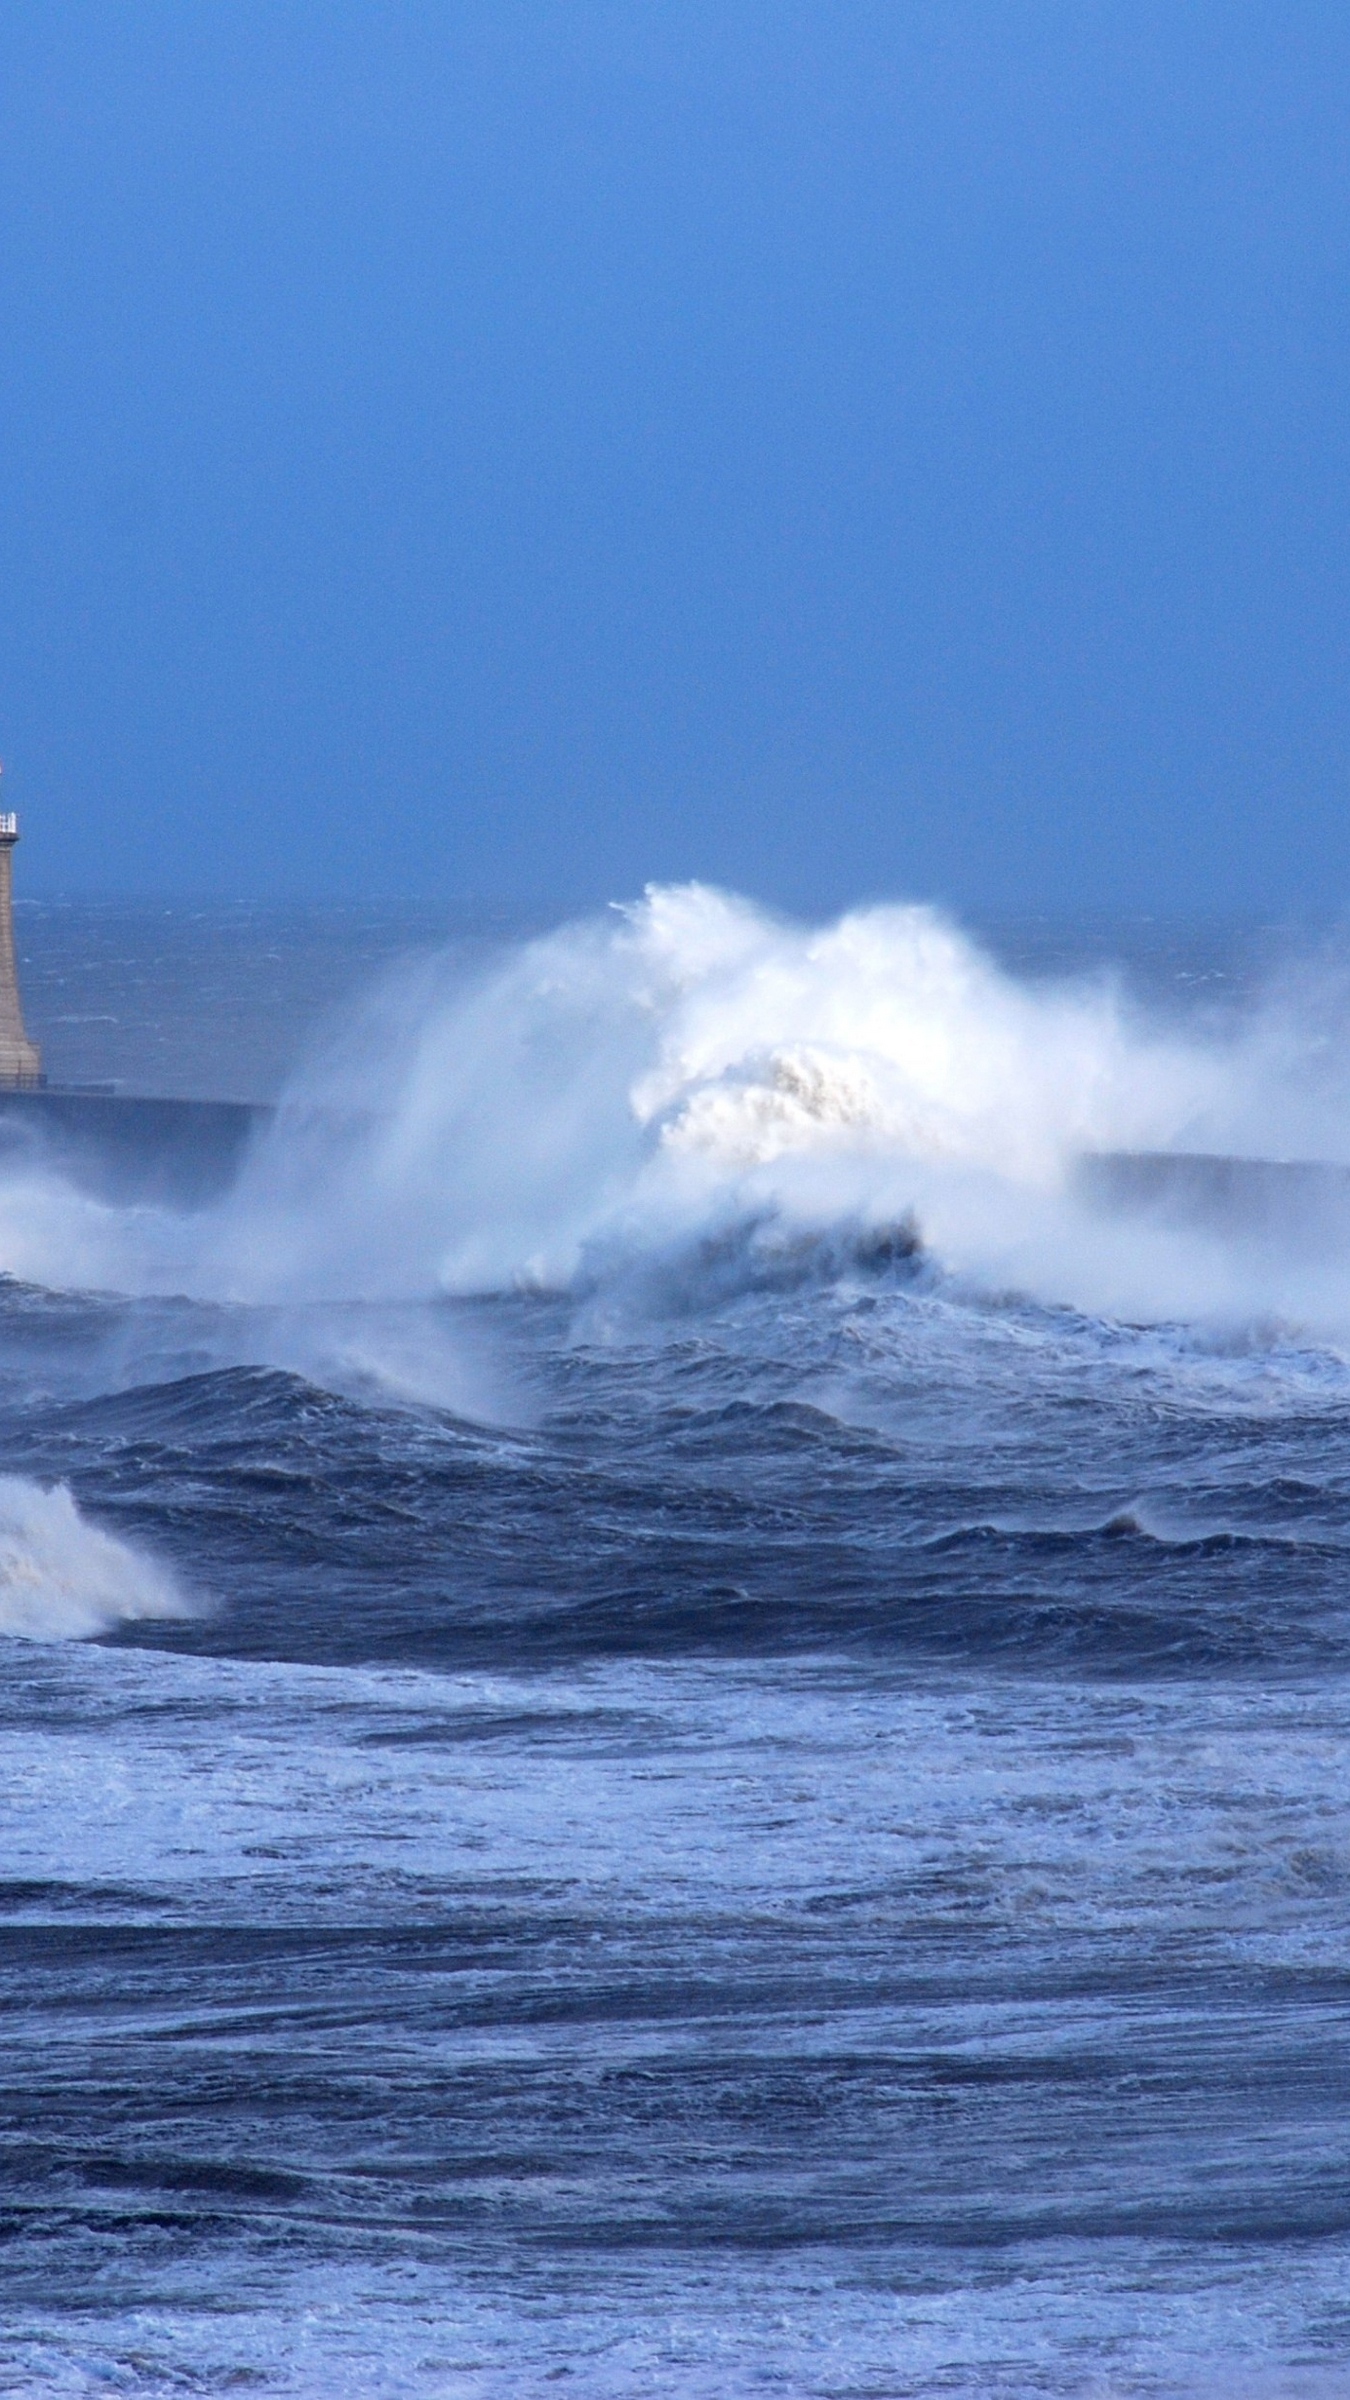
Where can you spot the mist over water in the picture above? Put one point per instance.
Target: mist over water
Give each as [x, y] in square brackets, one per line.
[677, 1688]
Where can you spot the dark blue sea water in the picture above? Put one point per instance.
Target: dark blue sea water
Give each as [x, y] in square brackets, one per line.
[675, 1721]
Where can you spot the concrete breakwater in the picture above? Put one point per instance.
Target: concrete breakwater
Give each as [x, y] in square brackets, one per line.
[1291, 1202]
[180, 1153]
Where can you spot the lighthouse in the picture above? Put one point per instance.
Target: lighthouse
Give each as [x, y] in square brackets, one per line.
[20, 1059]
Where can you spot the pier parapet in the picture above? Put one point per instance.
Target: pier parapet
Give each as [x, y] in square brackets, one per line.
[20, 1059]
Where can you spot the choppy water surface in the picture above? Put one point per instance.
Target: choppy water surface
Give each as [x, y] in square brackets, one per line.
[708, 1753]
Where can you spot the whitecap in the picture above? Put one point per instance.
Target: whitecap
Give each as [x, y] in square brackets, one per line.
[64, 1579]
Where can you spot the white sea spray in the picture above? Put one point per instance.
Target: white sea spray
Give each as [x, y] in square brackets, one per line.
[63, 1578]
[640, 1080]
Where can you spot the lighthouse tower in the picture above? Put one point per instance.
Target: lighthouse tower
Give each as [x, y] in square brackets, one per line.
[20, 1059]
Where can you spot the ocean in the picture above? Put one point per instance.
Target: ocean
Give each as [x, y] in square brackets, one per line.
[676, 1688]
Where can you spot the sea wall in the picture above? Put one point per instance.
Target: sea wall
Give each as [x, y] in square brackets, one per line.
[181, 1152]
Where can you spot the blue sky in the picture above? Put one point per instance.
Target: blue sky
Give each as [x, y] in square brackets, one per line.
[842, 450]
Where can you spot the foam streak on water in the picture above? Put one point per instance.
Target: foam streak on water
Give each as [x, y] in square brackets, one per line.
[675, 1789]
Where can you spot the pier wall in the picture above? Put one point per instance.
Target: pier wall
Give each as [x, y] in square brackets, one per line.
[178, 1153]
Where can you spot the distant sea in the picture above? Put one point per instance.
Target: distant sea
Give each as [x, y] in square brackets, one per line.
[207, 1000]
[673, 1722]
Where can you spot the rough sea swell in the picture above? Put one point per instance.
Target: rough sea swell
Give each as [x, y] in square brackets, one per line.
[717, 1760]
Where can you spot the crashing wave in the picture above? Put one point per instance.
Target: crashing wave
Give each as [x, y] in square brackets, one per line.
[63, 1579]
[628, 1086]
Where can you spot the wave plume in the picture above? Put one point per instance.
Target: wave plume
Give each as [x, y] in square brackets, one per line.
[63, 1579]
[625, 1089]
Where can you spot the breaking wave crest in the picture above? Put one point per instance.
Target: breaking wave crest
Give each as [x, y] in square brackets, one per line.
[638, 1086]
[633, 1085]
[63, 1579]
[625, 1082]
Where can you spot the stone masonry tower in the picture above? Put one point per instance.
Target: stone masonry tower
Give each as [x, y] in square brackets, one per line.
[20, 1059]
